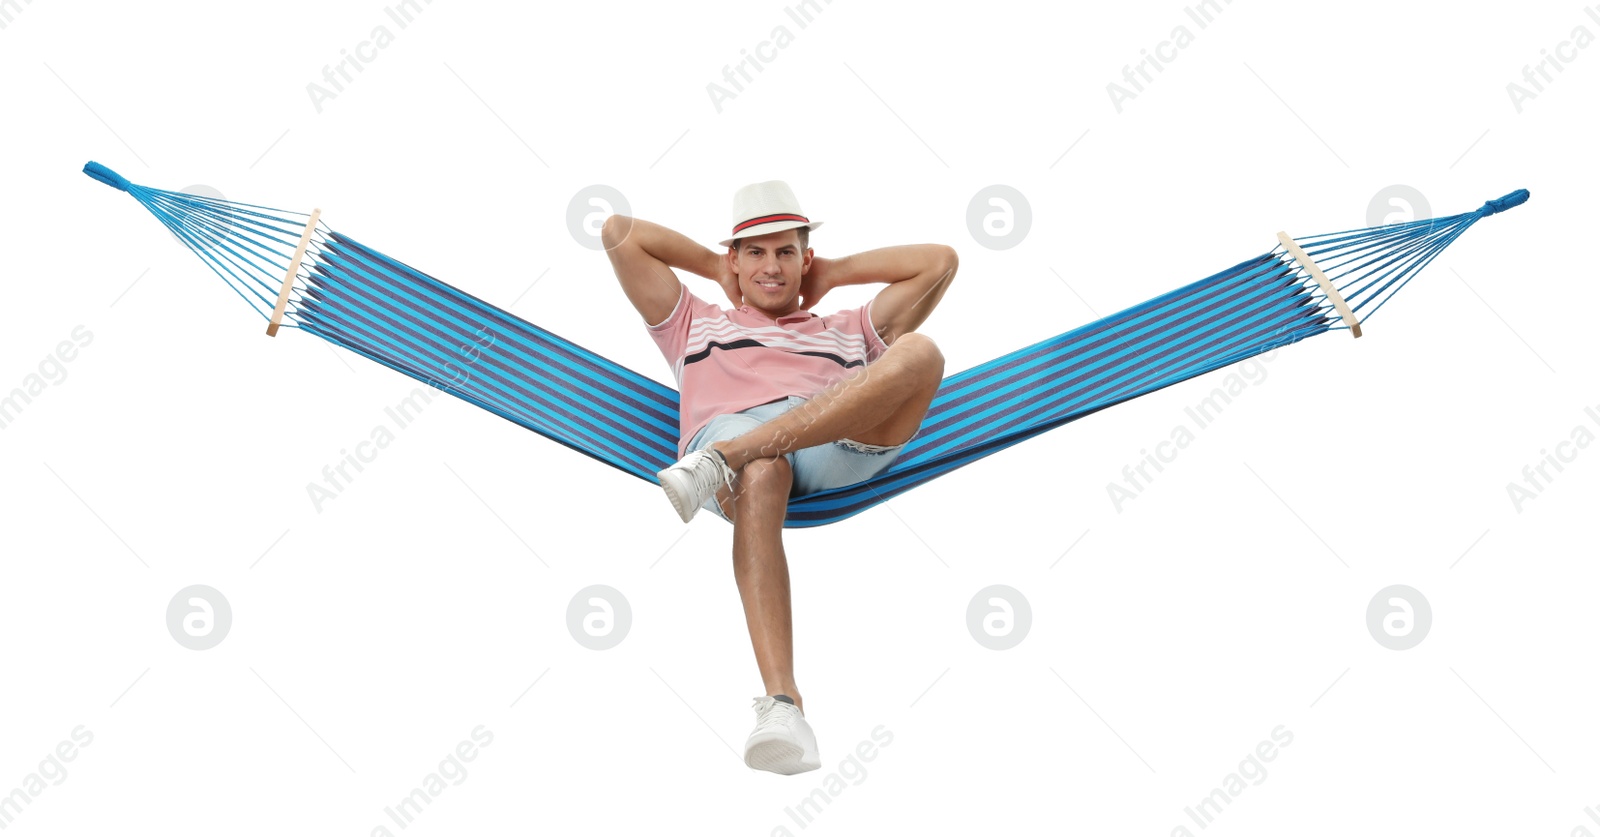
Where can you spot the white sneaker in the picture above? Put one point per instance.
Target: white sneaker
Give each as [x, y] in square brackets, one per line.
[782, 741]
[694, 479]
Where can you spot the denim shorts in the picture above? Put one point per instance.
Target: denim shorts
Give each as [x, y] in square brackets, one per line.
[831, 465]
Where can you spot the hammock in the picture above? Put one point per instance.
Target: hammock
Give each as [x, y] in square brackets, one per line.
[298, 273]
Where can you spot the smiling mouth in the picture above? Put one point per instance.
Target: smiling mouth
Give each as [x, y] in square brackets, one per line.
[771, 286]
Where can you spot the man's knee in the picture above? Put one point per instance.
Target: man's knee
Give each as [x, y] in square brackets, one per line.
[922, 353]
[767, 476]
[762, 483]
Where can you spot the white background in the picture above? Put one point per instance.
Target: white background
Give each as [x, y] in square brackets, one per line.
[1168, 639]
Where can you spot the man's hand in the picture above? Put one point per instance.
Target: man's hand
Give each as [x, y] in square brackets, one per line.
[817, 282]
[729, 280]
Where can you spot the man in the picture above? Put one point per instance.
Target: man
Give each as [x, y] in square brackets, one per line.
[777, 401]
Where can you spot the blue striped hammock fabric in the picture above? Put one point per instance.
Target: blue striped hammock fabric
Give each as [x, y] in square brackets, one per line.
[357, 297]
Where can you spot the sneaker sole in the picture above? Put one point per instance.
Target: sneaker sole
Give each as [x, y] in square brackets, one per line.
[778, 755]
[676, 496]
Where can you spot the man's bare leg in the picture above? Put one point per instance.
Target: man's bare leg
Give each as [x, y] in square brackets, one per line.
[881, 404]
[757, 507]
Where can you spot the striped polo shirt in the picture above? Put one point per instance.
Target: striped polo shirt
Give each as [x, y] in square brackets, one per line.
[727, 360]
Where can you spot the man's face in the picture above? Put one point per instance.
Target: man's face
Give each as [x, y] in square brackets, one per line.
[769, 268]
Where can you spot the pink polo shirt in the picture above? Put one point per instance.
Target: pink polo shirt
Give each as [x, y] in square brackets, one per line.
[727, 360]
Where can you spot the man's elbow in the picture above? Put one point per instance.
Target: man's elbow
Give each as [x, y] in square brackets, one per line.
[948, 261]
[614, 230]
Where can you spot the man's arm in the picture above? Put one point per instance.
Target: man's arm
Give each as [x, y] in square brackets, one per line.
[643, 254]
[918, 275]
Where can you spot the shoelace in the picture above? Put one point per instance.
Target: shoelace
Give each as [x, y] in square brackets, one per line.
[705, 479]
[776, 714]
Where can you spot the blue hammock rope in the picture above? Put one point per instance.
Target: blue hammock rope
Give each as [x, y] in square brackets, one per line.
[356, 297]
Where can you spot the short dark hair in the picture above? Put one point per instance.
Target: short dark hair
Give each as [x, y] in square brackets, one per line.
[805, 238]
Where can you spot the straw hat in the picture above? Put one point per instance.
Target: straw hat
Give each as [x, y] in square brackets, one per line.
[762, 208]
